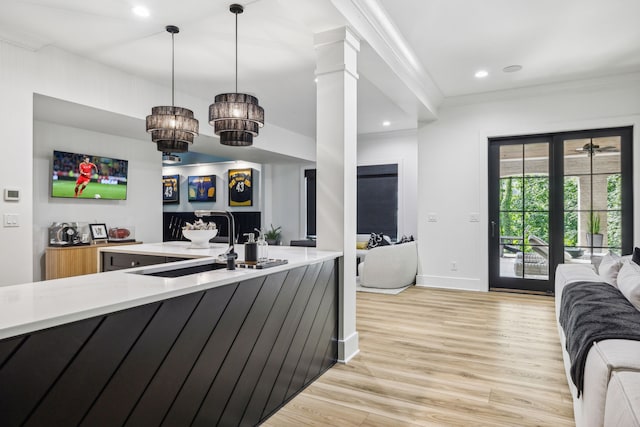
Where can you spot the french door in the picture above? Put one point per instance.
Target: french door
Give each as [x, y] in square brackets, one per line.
[555, 198]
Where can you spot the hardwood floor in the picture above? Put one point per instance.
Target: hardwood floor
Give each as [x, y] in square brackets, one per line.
[439, 357]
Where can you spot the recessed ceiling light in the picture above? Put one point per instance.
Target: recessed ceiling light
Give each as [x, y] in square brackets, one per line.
[481, 74]
[141, 11]
[386, 123]
[512, 68]
[315, 80]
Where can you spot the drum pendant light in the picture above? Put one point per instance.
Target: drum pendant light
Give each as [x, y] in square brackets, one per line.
[236, 117]
[172, 128]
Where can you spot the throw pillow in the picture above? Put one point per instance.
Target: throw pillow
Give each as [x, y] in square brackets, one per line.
[361, 245]
[636, 255]
[377, 240]
[609, 268]
[629, 282]
[405, 239]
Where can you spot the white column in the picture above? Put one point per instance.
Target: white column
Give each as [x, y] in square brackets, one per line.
[337, 87]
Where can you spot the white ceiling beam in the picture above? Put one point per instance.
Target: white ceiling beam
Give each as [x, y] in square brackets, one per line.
[372, 23]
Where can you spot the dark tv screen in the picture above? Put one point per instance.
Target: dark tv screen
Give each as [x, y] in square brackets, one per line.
[85, 176]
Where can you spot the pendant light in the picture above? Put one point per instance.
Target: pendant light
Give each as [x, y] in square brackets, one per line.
[172, 128]
[236, 117]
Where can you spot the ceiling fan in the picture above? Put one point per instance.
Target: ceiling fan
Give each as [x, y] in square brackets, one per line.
[590, 148]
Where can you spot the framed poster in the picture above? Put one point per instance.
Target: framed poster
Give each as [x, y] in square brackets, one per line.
[202, 188]
[171, 189]
[98, 231]
[241, 187]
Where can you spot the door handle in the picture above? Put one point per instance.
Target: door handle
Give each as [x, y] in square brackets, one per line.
[493, 229]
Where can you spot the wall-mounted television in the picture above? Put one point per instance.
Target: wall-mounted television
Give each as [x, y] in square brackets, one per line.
[85, 176]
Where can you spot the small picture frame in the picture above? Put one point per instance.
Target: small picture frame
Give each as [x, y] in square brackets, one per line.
[98, 231]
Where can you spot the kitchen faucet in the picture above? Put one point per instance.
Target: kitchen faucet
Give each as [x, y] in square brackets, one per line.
[231, 225]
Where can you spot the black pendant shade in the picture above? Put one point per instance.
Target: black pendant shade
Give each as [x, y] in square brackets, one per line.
[172, 128]
[236, 117]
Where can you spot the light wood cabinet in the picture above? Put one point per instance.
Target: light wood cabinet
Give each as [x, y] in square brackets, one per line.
[74, 260]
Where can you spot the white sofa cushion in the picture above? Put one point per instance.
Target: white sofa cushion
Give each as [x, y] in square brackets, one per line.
[629, 282]
[623, 400]
[605, 358]
[609, 268]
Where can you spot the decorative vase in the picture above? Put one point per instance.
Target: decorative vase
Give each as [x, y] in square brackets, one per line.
[596, 239]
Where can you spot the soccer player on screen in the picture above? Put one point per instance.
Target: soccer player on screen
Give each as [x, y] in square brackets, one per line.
[85, 169]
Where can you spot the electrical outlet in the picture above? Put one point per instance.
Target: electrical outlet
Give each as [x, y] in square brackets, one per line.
[454, 265]
[474, 217]
[432, 217]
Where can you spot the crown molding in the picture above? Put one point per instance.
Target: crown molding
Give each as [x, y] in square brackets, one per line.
[373, 25]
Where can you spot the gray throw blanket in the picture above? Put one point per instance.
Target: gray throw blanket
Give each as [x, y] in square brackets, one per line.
[592, 312]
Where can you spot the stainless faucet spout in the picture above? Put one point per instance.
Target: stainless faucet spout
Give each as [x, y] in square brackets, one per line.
[230, 222]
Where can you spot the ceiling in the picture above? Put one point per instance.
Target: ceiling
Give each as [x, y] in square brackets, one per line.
[444, 41]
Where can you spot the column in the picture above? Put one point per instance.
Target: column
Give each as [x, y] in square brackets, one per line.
[336, 139]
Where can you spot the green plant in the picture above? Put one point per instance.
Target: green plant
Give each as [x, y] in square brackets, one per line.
[273, 234]
[593, 223]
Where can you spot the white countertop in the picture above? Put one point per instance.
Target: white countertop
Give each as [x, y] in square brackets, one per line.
[33, 306]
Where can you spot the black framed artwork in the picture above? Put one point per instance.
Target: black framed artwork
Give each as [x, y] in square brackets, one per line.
[202, 188]
[171, 189]
[98, 231]
[241, 187]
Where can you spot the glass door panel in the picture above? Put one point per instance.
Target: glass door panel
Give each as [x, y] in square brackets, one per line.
[592, 196]
[522, 213]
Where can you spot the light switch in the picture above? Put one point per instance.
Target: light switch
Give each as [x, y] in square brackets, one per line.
[432, 217]
[474, 217]
[11, 220]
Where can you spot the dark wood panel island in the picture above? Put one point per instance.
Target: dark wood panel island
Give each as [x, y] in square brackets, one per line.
[125, 348]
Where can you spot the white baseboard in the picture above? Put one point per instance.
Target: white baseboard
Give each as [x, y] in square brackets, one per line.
[348, 348]
[444, 282]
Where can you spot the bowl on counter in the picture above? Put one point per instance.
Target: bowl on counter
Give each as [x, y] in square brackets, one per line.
[575, 252]
[199, 238]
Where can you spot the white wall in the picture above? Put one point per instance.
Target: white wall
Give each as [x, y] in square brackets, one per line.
[141, 209]
[222, 191]
[401, 148]
[17, 68]
[287, 200]
[452, 153]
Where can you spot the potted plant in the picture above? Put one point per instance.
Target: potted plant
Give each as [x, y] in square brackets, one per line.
[594, 238]
[273, 236]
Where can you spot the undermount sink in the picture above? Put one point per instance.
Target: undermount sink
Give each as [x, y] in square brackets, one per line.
[173, 271]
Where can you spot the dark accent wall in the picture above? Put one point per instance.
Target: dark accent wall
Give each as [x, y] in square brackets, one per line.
[227, 356]
[245, 222]
[377, 204]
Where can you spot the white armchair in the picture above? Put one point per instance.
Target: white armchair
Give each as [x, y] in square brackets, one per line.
[389, 267]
